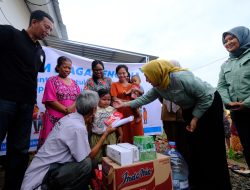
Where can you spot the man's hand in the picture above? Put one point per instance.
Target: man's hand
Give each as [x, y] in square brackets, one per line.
[89, 118]
[109, 130]
[99, 144]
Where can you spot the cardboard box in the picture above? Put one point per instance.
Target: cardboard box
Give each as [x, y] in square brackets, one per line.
[134, 149]
[120, 155]
[146, 175]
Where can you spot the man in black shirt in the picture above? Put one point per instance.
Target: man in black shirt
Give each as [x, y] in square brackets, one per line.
[21, 58]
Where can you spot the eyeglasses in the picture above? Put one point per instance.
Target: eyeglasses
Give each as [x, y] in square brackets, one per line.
[97, 70]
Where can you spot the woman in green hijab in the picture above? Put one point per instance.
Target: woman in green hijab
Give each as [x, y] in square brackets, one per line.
[203, 114]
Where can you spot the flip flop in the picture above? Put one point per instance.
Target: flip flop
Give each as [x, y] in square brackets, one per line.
[239, 171]
[234, 167]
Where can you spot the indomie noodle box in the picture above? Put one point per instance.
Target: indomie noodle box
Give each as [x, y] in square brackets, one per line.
[146, 175]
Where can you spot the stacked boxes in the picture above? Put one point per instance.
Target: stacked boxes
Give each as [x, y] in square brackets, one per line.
[120, 155]
[146, 147]
[147, 175]
[133, 148]
[123, 153]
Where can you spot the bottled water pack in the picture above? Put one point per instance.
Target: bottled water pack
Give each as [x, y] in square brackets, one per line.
[179, 168]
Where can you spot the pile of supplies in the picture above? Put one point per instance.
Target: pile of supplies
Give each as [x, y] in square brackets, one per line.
[143, 149]
[161, 143]
[116, 119]
[136, 166]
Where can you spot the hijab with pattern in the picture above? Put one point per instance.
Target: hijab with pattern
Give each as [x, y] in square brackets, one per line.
[158, 72]
[243, 35]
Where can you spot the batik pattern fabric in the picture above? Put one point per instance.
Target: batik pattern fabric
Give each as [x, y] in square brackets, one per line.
[104, 83]
[56, 90]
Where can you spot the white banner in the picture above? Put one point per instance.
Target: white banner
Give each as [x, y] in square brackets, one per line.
[81, 71]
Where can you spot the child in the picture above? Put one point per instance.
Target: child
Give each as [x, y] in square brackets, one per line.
[40, 121]
[34, 118]
[104, 110]
[136, 91]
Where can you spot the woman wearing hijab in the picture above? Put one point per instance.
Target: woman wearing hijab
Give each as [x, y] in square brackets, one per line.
[203, 114]
[234, 82]
[173, 123]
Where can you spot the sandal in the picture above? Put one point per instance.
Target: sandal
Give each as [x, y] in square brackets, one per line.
[240, 170]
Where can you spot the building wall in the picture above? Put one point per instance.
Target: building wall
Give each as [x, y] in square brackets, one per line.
[15, 13]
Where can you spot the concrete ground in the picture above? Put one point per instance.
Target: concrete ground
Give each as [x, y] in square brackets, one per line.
[238, 182]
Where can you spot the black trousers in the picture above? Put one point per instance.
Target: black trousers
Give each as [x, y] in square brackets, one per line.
[15, 121]
[176, 131]
[242, 124]
[208, 164]
[68, 176]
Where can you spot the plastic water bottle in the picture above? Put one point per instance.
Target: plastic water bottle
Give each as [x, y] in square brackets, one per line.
[179, 168]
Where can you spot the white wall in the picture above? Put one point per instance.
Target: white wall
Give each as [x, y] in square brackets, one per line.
[16, 13]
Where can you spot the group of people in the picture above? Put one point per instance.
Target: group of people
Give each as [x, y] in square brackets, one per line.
[66, 157]
[60, 97]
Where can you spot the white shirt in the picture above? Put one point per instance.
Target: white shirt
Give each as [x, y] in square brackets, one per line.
[68, 141]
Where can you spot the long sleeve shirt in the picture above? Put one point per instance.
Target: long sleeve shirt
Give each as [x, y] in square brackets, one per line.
[234, 80]
[185, 90]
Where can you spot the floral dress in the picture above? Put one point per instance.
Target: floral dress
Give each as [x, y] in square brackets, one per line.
[56, 90]
[101, 83]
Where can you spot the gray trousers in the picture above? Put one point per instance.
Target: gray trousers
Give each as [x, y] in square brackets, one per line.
[68, 176]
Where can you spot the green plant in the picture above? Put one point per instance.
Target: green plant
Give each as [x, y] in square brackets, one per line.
[236, 156]
[231, 153]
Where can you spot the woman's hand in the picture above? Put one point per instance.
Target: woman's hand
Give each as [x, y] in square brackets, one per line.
[57, 106]
[66, 111]
[118, 103]
[235, 106]
[120, 139]
[193, 124]
[127, 92]
[70, 109]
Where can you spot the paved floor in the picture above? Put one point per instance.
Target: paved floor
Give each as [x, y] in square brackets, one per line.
[238, 182]
[2, 159]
